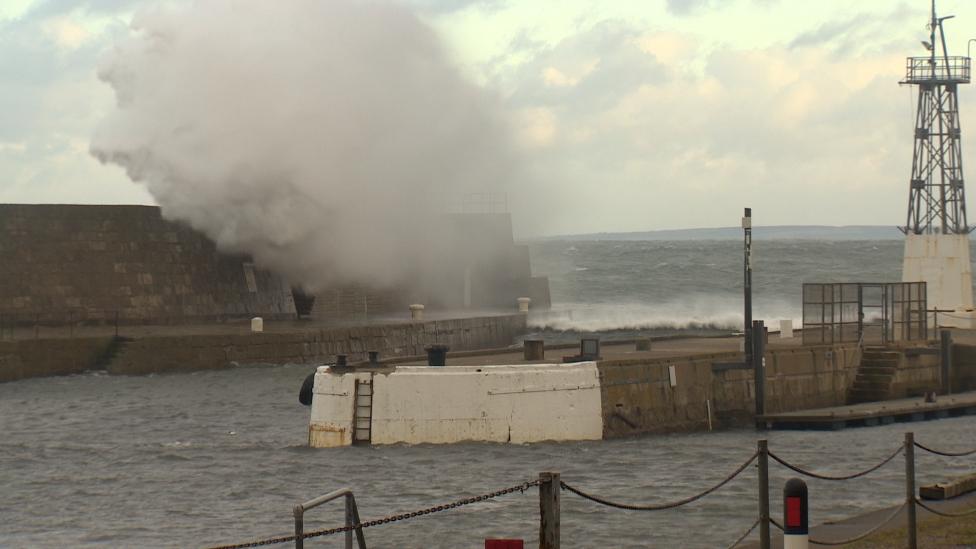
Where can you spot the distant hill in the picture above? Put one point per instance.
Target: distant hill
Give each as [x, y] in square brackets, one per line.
[775, 232]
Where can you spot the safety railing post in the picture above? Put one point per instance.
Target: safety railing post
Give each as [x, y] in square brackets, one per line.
[299, 526]
[763, 494]
[910, 490]
[549, 487]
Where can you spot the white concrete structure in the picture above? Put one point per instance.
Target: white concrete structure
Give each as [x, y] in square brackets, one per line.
[942, 262]
[786, 329]
[422, 404]
[417, 311]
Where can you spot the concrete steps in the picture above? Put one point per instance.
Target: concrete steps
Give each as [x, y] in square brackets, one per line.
[111, 353]
[874, 376]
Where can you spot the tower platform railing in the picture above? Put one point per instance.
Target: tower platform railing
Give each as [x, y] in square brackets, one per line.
[940, 70]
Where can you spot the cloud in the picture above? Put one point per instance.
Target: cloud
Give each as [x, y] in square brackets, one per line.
[51, 101]
[50, 8]
[588, 71]
[445, 7]
[858, 33]
[692, 7]
[686, 7]
[644, 140]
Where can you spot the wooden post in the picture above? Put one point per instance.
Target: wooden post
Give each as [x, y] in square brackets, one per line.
[549, 488]
[910, 490]
[763, 492]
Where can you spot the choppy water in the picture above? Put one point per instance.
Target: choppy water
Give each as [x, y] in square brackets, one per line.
[190, 460]
[680, 284]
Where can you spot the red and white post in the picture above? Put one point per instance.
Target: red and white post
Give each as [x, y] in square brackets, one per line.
[796, 519]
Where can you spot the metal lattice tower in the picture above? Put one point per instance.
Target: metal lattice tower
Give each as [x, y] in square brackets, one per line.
[937, 197]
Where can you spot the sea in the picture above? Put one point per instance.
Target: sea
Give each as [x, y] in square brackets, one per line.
[219, 457]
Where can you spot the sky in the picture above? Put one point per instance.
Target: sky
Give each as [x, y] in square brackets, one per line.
[629, 115]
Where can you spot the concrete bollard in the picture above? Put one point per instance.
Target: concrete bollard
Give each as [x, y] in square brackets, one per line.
[796, 518]
[643, 344]
[417, 311]
[257, 324]
[523, 304]
[786, 329]
[534, 349]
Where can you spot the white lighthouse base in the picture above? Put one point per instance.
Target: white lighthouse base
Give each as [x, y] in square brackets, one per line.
[942, 262]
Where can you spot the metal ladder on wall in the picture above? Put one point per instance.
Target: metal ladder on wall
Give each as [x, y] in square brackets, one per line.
[362, 420]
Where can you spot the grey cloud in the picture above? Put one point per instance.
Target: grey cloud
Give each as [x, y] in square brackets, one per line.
[850, 35]
[826, 33]
[620, 67]
[665, 141]
[32, 65]
[444, 7]
[49, 8]
[685, 7]
[690, 7]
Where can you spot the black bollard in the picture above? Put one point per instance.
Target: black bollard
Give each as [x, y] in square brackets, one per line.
[437, 355]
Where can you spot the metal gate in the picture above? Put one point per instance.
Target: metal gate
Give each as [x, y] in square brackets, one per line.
[878, 312]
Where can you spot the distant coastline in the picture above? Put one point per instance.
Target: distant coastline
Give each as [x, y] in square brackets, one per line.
[774, 232]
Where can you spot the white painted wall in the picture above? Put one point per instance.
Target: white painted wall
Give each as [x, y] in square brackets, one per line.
[332, 408]
[523, 403]
[942, 262]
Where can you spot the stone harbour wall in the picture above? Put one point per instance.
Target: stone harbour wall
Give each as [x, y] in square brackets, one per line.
[639, 397]
[75, 263]
[29, 358]
[183, 353]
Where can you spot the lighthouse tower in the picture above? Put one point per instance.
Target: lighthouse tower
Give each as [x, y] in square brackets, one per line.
[936, 231]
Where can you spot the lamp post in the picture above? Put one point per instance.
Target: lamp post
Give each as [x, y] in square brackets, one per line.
[969, 46]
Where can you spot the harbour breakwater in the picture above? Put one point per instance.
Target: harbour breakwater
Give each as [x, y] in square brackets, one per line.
[645, 395]
[503, 399]
[27, 358]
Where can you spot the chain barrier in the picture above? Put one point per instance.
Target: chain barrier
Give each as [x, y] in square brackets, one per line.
[647, 507]
[744, 535]
[945, 513]
[388, 519]
[660, 506]
[858, 537]
[820, 476]
[944, 453]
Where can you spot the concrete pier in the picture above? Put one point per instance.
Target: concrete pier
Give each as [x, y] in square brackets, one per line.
[874, 413]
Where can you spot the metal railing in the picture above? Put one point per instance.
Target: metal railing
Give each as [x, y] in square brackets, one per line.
[352, 517]
[920, 70]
